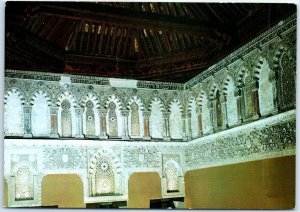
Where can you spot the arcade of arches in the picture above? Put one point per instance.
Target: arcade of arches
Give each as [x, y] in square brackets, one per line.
[224, 139]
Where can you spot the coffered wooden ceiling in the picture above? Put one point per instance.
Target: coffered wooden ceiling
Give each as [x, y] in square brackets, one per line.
[146, 40]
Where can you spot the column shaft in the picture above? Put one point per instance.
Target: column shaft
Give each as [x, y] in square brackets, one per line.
[255, 103]
[103, 132]
[212, 115]
[27, 122]
[200, 130]
[273, 82]
[189, 126]
[79, 128]
[184, 133]
[146, 115]
[54, 121]
[166, 116]
[224, 112]
[125, 114]
[237, 94]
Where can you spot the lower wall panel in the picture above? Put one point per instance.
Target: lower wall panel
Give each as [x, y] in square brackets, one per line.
[5, 194]
[62, 190]
[268, 184]
[142, 187]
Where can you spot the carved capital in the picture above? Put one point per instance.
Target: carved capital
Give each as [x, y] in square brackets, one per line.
[124, 112]
[78, 111]
[53, 110]
[146, 114]
[27, 109]
[251, 86]
[199, 110]
[210, 104]
[188, 115]
[103, 112]
[237, 92]
[166, 114]
[223, 99]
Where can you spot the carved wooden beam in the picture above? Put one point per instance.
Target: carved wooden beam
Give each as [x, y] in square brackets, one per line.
[118, 16]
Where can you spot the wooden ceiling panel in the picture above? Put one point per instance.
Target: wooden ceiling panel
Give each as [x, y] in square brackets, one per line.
[141, 36]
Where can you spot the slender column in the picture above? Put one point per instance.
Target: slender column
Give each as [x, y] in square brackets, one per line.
[184, 134]
[125, 114]
[146, 115]
[79, 129]
[54, 125]
[189, 126]
[103, 132]
[256, 111]
[212, 115]
[237, 94]
[199, 113]
[224, 112]
[252, 104]
[27, 121]
[166, 116]
[273, 81]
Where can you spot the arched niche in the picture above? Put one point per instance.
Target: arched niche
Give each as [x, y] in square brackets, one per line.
[135, 118]
[66, 115]
[114, 119]
[206, 122]
[105, 174]
[40, 115]
[231, 101]
[175, 109]
[156, 119]
[91, 116]
[194, 117]
[13, 113]
[265, 90]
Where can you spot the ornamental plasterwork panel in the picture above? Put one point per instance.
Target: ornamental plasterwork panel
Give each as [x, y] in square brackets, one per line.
[249, 144]
[170, 156]
[20, 159]
[268, 36]
[112, 148]
[67, 157]
[141, 156]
